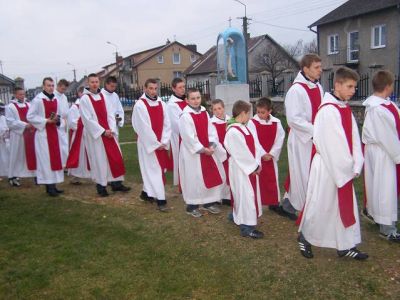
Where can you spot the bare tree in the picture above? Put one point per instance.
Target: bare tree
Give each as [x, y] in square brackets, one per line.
[295, 50]
[311, 47]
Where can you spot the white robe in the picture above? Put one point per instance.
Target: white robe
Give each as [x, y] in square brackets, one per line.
[174, 112]
[299, 117]
[225, 191]
[117, 107]
[241, 164]
[4, 146]
[147, 143]
[17, 166]
[63, 132]
[194, 190]
[100, 169]
[36, 116]
[332, 167]
[276, 147]
[382, 153]
[73, 116]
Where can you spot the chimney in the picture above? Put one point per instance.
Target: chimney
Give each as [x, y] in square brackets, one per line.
[192, 47]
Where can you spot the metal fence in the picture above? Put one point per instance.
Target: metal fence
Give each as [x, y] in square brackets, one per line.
[275, 87]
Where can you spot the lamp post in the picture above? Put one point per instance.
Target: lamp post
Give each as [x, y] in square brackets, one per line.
[73, 70]
[116, 61]
[245, 23]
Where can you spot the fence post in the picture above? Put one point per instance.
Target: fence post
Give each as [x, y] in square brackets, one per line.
[212, 85]
[264, 84]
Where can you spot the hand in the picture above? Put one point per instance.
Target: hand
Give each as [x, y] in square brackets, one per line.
[108, 133]
[267, 157]
[356, 175]
[258, 171]
[162, 147]
[51, 121]
[209, 151]
[29, 127]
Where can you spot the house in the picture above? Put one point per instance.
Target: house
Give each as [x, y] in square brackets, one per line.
[164, 63]
[264, 54]
[361, 34]
[7, 86]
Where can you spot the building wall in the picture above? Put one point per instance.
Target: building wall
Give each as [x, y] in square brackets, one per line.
[164, 71]
[388, 56]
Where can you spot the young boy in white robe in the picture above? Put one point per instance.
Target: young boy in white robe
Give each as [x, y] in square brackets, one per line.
[200, 155]
[110, 86]
[219, 120]
[381, 137]
[271, 135]
[59, 93]
[151, 123]
[244, 169]
[301, 105]
[330, 217]
[176, 103]
[78, 161]
[4, 142]
[22, 139]
[45, 114]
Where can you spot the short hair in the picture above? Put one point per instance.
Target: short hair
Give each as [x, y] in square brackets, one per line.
[47, 79]
[240, 106]
[111, 79]
[150, 80]
[191, 91]
[382, 79]
[80, 89]
[175, 81]
[63, 82]
[217, 101]
[344, 73]
[308, 59]
[264, 102]
[17, 89]
[93, 75]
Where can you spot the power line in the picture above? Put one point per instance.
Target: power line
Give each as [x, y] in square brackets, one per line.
[283, 27]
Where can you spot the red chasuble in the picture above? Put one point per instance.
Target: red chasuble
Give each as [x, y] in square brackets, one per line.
[268, 189]
[396, 116]
[211, 176]
[252, 177]
[50, 106]
[114, 156]
[156, 114]
[181, 104]
[314, 96]
[345, 193]
[221, 131]
[29, 138]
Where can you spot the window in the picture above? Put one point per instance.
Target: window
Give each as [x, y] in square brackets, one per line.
[353, 47]
[378, 36]
[178, 74]
[193, 58]
[176, 58]
[333, 44]
[160, 59]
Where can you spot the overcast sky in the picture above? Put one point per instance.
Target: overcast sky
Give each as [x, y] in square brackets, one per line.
[39, 37]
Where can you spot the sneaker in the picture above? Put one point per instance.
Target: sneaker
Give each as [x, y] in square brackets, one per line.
[59, 191]
[393, 237]
[75, 181]
[280, 211]
[120, 188]
[194, 213]
[353, 253]
[16, 182]
[163, 208]
[254, 234]
[367, 216]
[305, 247]
[212, 209]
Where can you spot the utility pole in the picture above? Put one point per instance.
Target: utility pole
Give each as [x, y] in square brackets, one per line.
[1, 67]
[246, 36]
[74, 70]
[230, 21]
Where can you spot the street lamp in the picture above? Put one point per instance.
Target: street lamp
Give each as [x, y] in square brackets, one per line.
[74, 69]
[245, 19]
[116, 50]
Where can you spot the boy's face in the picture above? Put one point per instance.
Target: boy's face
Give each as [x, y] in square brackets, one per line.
[111, 86]
[20, 95]
[218, 110]
[179, 90]
[94, 84]
[61, 88]
[263, 113]
[346, 89]
[151, 89]
[194, 99]
[48, 86]
[314, 71]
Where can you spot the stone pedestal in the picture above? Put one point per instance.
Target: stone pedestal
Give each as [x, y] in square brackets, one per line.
[230, 93]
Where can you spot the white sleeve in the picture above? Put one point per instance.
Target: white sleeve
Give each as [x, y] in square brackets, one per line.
[91, 124]
[73, 117]
[188, 134]
[259, 149]
[119, 109]
[166, 134]
[13, 121]
[174, 111]
[34, 117]
[278, 143]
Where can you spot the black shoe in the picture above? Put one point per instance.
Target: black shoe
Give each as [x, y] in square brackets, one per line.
[101, 190]
[393, 237]
[59, 191]
[120, 188]
[353, 253]
[144, 197]
[51, 190]
[163, 208]
[226, 202]
[305, 247]
[280, 211]
[255, 234]
[367, 216]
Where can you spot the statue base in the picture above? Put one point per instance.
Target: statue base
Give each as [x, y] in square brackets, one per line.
[230, 93]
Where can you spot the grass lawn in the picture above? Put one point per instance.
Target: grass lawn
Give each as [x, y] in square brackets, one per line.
[82, 246]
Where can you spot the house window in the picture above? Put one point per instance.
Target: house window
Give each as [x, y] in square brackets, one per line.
[178, 74]
[160, 59]
[176, 58]
[378, 36]
[353, 47]
[333, 44]
[193, 58]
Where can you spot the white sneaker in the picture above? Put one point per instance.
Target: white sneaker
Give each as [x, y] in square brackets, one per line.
[212, 209]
